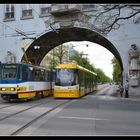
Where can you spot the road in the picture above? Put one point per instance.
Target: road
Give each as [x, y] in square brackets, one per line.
[98, 113]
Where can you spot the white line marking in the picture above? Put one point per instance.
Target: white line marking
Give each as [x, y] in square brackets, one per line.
[81, 118]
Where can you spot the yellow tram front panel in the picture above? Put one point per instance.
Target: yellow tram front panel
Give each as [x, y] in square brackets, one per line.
[66, 92]
[26, 95]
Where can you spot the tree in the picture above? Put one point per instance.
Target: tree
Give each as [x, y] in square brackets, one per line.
[84, 62]
[101, 77]
[59, 53]
[56, 56]
[116, 69]
[109, 16]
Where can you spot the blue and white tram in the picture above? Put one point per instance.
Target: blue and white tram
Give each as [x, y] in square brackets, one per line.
[25, 81]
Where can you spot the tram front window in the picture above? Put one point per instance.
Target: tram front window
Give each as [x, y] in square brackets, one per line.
[66, 77]
[9, 72]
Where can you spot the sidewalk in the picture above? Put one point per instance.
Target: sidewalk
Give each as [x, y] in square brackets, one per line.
[131, 95]
[135, 96]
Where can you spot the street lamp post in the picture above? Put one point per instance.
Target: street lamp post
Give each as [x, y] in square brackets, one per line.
[82, 54]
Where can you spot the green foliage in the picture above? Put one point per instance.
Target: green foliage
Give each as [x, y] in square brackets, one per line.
[60, 55]
[101, 77]
[116, 69]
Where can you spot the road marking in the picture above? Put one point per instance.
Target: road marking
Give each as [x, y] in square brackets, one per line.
[81, 118]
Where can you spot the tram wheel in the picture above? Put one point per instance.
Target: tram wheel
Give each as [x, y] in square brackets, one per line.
[40, 95]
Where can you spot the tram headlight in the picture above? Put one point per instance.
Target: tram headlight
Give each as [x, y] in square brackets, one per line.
[3, 89]
[12, 89]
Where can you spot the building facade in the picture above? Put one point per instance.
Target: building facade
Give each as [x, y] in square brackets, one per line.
[21, 23]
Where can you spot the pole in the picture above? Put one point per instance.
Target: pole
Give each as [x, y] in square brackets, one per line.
[24, 52]
[25, 55]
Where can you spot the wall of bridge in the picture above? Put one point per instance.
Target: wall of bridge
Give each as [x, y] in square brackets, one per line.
[10, 40]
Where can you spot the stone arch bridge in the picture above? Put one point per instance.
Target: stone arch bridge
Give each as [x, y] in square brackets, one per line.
[69, 23]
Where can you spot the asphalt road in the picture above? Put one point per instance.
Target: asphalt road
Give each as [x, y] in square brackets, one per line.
[96, 114]
[99, 113]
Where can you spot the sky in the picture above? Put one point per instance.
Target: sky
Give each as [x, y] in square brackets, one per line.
[98, 55]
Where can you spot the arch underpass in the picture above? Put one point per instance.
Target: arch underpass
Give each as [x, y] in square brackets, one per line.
[51, 39]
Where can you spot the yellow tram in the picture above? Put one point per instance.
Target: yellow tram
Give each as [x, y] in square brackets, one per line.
[73, 81]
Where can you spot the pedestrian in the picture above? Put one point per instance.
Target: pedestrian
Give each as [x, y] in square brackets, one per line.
[127, 89]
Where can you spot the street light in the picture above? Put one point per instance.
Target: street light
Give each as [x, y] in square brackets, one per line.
[36, 47]
[82, 54]
[71, 51]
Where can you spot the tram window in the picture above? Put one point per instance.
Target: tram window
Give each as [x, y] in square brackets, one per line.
[85, 79]
[75, 82]
[24, 73]
[65, 77]
[42, 75]
[37, 75]
[31, 73]
[19, 72]
[9, 75]
[81, 78]
[47, 76]
[9, 72]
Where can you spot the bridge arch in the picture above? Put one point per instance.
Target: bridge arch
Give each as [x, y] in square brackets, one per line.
[51, 39]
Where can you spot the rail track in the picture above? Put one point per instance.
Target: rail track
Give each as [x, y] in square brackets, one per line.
[15, 121]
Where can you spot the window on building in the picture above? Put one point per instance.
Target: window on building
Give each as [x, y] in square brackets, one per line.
[27, 11]
[9, 11]
[45, 9]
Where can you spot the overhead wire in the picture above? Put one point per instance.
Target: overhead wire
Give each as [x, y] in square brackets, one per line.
[23, 33]
[44, 20]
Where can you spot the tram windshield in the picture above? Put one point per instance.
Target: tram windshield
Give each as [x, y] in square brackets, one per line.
[9, 72]
[66, 77]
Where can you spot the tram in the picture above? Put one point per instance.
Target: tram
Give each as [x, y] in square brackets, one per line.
[73, 81]
[25, 81]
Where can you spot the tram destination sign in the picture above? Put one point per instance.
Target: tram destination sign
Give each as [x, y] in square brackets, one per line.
[9, 66]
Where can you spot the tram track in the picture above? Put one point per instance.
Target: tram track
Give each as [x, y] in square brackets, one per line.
[40, 110]
[15, 103]
[7, 106]
[4, 105]
[11, 104]
[37, 118]
[22, 111]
